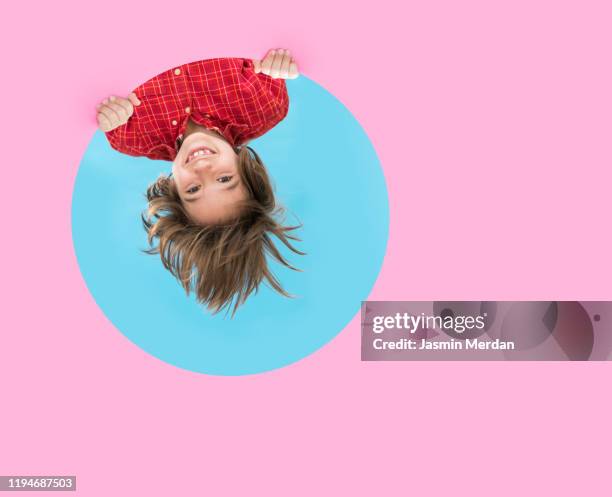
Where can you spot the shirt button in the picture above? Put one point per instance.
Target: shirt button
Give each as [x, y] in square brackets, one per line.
[187, 110]
[174, 123]
[177, 71]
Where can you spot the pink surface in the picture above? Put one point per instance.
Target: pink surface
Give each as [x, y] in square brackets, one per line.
[492, 122]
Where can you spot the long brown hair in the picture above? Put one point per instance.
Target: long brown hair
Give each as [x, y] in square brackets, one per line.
[222, 264]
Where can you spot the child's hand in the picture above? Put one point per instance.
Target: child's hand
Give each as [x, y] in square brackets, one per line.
[277, 64]
[115, 111]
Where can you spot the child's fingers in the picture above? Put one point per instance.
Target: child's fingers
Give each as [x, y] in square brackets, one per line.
[104, 123]
[104, 102]
[284, 67]
[109, 114]
[293, 70]
[122, 113]
[256, 66]
[276, 63]
[266, 64]
[126, 105]
[133, 98]
[108, 107]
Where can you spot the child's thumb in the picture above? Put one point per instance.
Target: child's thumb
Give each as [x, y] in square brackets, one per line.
[134, 99]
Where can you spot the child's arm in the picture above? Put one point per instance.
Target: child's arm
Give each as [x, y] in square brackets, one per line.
[126, 128]
[266, 84]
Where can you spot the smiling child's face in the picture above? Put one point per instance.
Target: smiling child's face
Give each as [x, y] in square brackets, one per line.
[206, 175]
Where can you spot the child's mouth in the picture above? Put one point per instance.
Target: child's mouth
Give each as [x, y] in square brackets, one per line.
[199, 152]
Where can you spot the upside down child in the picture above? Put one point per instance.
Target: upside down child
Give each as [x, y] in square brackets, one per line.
[211, 220]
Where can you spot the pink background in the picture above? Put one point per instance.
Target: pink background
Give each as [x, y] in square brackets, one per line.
[492, 122]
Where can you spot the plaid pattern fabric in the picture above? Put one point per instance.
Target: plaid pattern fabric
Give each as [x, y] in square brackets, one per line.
[221, 94]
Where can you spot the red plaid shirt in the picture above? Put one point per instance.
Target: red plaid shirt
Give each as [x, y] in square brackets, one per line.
[221, 94]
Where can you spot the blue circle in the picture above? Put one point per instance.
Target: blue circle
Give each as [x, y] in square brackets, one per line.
[327, 175]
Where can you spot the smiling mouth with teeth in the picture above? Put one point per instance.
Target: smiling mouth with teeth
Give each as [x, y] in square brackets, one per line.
[199, 152]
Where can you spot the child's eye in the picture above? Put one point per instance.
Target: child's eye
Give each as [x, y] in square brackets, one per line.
[193, 189]
[224, 179]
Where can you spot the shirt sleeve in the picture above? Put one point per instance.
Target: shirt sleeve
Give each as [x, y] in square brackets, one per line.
[132, 138]
[272, 102]
[151, 129]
